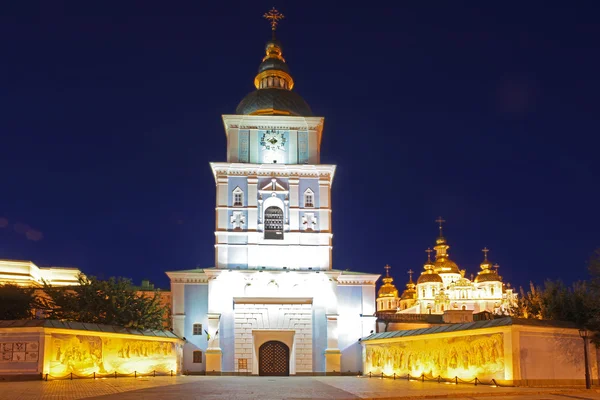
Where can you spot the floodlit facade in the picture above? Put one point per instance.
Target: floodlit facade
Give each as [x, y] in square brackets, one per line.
[443, 287]
[272, 304]
[26, 273]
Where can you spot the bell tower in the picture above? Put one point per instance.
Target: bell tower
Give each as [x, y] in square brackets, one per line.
[273, 206]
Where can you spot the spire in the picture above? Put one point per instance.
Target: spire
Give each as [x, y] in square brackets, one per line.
[273, 82]
[440, 243]
[440, 221]
[387, 289]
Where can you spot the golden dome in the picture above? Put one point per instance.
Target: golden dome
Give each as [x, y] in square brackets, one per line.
[446, 266]
[388, 289]
[409, 294]
[490, 276]
[487, 274]
[429, 277]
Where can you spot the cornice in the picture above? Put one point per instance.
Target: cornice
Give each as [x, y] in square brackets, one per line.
[366, 279]
[321, 171]
[272, 122]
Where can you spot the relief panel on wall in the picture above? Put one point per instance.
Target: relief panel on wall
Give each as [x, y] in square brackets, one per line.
[84, 355]
[466, 357]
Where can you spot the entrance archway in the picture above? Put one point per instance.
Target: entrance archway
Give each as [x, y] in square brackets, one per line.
[273, 359]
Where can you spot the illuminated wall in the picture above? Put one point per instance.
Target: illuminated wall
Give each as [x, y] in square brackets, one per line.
[86, 354]
[467, 357]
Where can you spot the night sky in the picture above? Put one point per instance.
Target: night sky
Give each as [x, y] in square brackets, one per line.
[485, 114]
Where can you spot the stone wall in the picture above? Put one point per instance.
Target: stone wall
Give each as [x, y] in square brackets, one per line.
[293, 322]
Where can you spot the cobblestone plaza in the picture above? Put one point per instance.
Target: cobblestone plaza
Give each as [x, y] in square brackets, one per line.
[266, 388]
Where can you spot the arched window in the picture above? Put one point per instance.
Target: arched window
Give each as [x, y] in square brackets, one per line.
[309, 198]
[492, 290]
[238, 197]
[273, 223]
[423, 293]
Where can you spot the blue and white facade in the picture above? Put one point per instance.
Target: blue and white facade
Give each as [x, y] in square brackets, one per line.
[273, 279]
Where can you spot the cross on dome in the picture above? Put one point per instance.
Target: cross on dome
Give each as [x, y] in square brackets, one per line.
[274, 17]
[485, 251]
[429, 251]
[410, 274]
[440, 221]
[387, 270]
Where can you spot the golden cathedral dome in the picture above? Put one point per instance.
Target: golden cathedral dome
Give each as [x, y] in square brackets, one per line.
[429, 275]
[446, 266]
[410, 292]
[387, 289]
[487, 274]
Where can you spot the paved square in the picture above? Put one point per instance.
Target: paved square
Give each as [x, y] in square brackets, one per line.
[270, 388]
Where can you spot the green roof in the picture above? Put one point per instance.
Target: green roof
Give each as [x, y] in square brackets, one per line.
[51, 323]
[195, 270]
[490, 323]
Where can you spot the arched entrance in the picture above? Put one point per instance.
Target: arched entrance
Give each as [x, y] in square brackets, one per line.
[273, 359]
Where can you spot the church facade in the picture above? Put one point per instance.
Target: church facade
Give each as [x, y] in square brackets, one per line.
[443, 287]
[272, 304]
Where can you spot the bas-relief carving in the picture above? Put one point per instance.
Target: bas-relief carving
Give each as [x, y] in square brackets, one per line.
[84, 355]
[467, 357]
[19, 352]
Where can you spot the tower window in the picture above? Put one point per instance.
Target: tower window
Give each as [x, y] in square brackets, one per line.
[197, 357]
[273, 223]
[309, 198]
[238, 197]
[197, 330]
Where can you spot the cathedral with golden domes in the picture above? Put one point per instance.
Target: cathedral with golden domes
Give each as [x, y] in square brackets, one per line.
[442, 287]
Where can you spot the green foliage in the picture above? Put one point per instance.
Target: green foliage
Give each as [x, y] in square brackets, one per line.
[17, 302]
[114, 302]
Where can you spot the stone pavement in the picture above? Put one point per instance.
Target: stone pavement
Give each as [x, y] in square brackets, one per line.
[267, 388]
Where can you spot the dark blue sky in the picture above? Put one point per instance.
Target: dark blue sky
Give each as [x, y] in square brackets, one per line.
[486, 114]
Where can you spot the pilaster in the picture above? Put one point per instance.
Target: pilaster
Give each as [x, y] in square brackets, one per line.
[214, 354]
[333, 355]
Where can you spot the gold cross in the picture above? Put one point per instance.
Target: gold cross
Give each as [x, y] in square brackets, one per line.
[428, 251]
[387, 270]
[440, 221]
[274, 16]
[410, 272]
[485, 251]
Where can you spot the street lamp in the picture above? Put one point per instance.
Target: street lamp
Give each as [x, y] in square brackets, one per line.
[584, 333]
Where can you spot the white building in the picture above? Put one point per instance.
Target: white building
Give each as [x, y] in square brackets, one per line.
[442, 287]
[26, 273]
[272, 304]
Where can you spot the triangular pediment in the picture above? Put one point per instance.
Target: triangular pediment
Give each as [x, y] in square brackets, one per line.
[274, 186]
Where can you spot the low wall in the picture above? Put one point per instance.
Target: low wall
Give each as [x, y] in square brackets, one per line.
[41, 351]
[518, 353]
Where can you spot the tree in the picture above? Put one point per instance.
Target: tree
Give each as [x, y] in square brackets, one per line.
[114, 302]
[17, 302]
